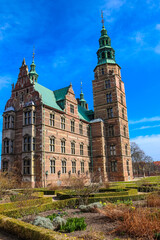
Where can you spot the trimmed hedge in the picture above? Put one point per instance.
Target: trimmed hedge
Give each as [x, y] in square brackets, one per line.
[24, 211]
[65, 195]
[114, 198]
[20, 212]
[27, 231]
[20, 204]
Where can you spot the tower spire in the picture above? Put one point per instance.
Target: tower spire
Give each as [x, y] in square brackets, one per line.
[105, 53]
[33, 53]
[33, 74]
[102, 19]
[82, 100]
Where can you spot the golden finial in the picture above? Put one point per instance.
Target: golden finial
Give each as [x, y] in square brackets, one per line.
[102, 18]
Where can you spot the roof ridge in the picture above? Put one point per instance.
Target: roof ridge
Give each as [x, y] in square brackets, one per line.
[61, 88]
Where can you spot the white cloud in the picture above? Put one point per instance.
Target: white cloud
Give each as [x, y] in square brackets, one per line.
[114, 4]
[4, 81]
[143, 120]
[110, 7]
[145, 127]
[139, 37]
[157, 48]
[150, 145]
[59, 61]
[158, 26]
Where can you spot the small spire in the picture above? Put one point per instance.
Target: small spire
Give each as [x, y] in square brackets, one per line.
[24, 62]
[102, 19]
[81, 87]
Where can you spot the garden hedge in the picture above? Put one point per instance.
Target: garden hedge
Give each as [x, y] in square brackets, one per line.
[72, 202]
[27, 231]
[20, 204]
[65, 195]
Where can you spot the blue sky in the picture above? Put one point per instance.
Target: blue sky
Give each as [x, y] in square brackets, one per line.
[65, 35]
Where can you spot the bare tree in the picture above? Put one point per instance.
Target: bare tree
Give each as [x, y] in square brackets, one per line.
[142, 163]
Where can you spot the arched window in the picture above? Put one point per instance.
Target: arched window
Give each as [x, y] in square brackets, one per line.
[5, 166]
[82, 167]
[120, 87]
[62, 123]
[64, 166]
[128, 167]
[121, 99]
[103, 55]
[123, 113]
[102, 70]
[102, 42]
[73, 166]
[81, 149]
[72, 148]
[27, 143]
[108, 54]
[124, 129]
[26, 166]
[52, 144]
[63, 146]
[126, 149]
[6, 145]
[52, 166]
[72, 126]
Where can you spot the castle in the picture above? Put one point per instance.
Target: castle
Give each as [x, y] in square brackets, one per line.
[53, 134]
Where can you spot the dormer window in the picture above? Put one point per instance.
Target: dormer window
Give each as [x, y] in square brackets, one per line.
[71, 108]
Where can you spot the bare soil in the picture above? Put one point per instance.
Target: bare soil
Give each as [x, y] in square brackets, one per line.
[96, 224]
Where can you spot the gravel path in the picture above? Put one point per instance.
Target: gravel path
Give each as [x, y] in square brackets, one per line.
[7, 236]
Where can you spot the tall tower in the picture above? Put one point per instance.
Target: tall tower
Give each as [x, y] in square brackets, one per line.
[110, 106]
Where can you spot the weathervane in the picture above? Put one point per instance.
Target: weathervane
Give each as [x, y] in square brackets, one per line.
[33, 53]
[102, 18]
[81, 86]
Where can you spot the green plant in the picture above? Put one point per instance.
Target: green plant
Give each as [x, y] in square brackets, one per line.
[127, 202]
[74, 224]
[43, 222]
[54, 215]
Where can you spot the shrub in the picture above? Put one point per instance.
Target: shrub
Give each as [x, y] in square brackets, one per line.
[153, 200]
[43, 222]
[59, 223]
[27, 231]
[81, 186]
[74, 224]
[91, 207]
[54, 215]
[140, 223]
[113, 212]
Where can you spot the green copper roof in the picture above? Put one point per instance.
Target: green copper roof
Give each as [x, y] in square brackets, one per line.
[105, 53]
[61, 93]
[84, 114]
[32, 72]
[48, 97]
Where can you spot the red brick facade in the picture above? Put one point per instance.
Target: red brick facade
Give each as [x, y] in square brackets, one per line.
[53, 135]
